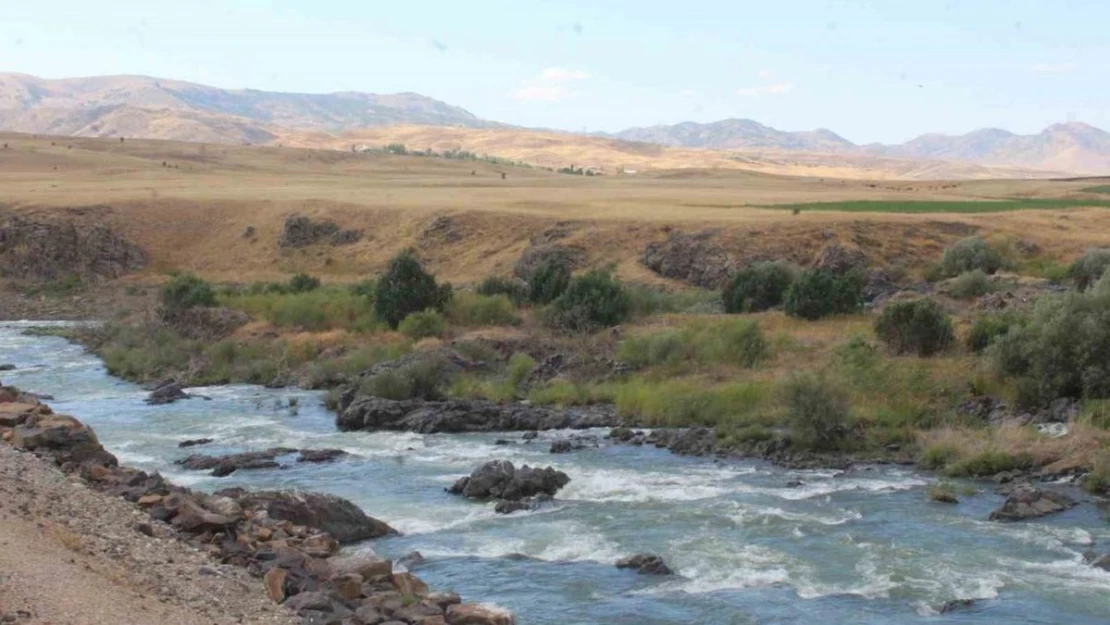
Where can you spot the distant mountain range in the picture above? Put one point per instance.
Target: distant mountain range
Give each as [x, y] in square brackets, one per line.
[1071, 147]
[140, 106]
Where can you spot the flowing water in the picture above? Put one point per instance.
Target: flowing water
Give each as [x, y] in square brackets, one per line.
[863, 547]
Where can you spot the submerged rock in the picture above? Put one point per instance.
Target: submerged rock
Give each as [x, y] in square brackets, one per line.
[1027, 502]
[193, 442]
[320, 455]
[7, 367]
[645, 564]
[226, 465]
[956, 605]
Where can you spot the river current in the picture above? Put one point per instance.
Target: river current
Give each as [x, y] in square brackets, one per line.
[864, 547]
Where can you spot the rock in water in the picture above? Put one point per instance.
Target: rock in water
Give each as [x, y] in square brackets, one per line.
[7, 367]
[1027, 502]
[499, 479]
[334, 515]
[645, 564]
[193, 442]
[466, 614]
[166, 393]
[320, 455]
[956, 605]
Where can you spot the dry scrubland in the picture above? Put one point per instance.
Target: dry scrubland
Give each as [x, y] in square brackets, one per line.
[219, 212]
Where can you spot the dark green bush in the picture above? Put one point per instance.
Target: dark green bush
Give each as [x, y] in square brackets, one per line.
[918, 326]
[549, 281]
[406, 288]
[185, 291]
[1088, 268]
[760, 286]
[970, 284]
[303, 283]
[987, 329]
[516, 290]
[594, 300]
[1064, 350]
[968, 255]
[817, 411]
[818, 293]
[419, 380]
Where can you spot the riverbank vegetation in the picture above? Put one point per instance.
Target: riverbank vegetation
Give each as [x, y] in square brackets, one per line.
[782, 358]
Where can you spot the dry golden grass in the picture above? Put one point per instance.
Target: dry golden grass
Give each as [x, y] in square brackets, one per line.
[1078, 448]
[192, 213]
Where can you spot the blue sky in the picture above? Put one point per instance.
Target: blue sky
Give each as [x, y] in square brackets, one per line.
[869, 70]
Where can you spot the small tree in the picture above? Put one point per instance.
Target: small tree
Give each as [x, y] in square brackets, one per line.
[918, 326]
[406, 288]
[549, 281]
[185, 291]
[595, 300]
[819, 293]
[970, 254]
[758, 287]
[817, 411]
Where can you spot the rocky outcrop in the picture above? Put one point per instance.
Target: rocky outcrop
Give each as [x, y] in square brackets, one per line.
[166, 393]
[1025, 501]
[301, 231]
[841, 260]
[536, 256]
[454, 416]
[290, 540]
[645, 564]
[574, 442]
[41, 250]
[694, 259]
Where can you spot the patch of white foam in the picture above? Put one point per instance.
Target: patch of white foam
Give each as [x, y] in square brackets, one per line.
[831, 486]
[748, 514]
[630, 486]
[705, 567]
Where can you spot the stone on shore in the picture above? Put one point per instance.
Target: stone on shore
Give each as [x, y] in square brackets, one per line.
[1028, 502]
[469, 614]
[337, 516]
[645, 564]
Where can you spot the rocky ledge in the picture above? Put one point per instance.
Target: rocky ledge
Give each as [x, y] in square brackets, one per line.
[221, 466]
[290, 540]
[454, 416]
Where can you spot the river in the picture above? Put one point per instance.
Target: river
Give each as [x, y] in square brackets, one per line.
[862, 548]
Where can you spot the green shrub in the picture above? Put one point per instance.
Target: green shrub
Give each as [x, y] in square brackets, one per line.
[1088, 268]
[516, 290]
[936, 456]
[1063, 351]
[303, 283]
[594, 300]
[817, 411]
[185, 291]
[406, 288]
[419, 380]
[970, 254]
[470, 309]
[988, 463]
[758, 287]
[942, 492]
[818, 293]
[738, 342]
[970, 284]
[646, 301]
[319, 310]
[423, 324]
[549, 281]
[987, 329]
[917, 326]
[1098, 480]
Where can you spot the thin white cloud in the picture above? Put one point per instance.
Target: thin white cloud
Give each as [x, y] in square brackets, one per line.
[765, 73]
[551, 85]
[1054, 68]
[776, 89]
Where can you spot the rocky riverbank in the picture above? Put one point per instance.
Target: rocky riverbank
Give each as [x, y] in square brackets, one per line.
[258, 548]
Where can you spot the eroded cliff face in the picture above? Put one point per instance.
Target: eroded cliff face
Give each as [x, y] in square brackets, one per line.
[50, 250]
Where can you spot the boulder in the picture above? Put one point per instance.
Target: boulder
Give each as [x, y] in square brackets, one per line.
[499, 479]
[645, 564]
[470, 614]
[191, 517]
[15, 413]
[841, 260]
[39, 431]
[166, 393]
[309, 601]
[1102, 563]
[956, 605]
[7, 367]
[1028, 502]
[193, 442]
[274, 580]
[320, 455]
[345, 521]
[365, 563]
[301, 231]
[226, 465]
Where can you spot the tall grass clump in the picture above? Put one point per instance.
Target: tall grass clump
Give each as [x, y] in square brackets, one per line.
[817, 411]
[760, 286]
[738, 342]
[918, 327]
[683, 403]
[515, 290]
[818, 293]
[1088, 268]
[592, 301]
[970, 254]
[970, 284]
[646, 301]
[424, 324]
[472, 309]
[406, 288]
[318, 310]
